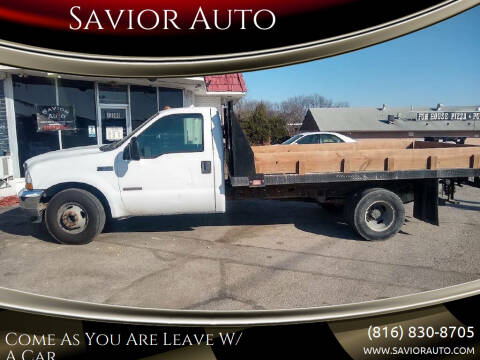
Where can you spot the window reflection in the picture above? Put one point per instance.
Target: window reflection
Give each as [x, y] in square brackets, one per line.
[81, 95]
[143, 103]
[29, 91]
[112, 94]
[169, 97]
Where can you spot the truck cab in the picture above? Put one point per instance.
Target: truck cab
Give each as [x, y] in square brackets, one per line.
[171, 164]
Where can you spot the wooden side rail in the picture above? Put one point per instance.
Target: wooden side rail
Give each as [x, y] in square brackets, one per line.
[367, 160]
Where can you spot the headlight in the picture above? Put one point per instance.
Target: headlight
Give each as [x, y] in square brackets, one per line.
[28, 181]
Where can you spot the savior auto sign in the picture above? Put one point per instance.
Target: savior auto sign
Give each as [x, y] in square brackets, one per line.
[178, 38]
[54, 117]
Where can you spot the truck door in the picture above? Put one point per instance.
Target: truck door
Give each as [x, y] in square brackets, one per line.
[175, 173]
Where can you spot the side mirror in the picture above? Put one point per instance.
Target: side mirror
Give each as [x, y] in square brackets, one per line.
[131, 151]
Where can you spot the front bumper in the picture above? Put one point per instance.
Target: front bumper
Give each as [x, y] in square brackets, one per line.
[30, 202]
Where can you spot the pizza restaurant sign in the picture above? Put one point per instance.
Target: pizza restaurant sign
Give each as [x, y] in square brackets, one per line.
[448, 116]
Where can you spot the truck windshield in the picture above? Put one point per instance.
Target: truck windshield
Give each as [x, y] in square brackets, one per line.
[116, 144]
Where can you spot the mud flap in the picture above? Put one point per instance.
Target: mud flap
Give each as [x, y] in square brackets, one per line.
[425, 206]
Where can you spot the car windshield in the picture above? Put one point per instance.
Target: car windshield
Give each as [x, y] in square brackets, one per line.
[292, 139]
[116, 144]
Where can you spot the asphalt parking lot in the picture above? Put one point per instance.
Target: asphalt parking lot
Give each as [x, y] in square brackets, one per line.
[259, 255]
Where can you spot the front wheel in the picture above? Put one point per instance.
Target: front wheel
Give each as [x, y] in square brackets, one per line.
[74, 216]
[376, 214]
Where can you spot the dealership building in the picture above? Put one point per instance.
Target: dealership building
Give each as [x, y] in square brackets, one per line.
[99, 110]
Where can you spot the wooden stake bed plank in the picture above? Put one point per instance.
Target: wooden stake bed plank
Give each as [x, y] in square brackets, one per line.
[359, 145]
[349, 164]
[310, 155]
[365, 160]
[345, 166]
[433, 144]
[301, 168]
[475, 161]
[454, 162]
[390, 164]
[432, 163]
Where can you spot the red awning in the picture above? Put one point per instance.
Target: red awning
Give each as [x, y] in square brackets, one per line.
[225, 83]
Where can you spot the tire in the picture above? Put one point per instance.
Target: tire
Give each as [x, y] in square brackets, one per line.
[375, 214]
[74, 216]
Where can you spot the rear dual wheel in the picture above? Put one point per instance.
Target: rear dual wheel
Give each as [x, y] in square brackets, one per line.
[375, 214]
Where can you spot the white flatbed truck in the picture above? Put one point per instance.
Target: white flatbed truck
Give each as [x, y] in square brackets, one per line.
[174, 164]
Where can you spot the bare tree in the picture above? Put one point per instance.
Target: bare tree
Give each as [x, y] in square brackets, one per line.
[296, 107]
[244, 108]
[288, 114]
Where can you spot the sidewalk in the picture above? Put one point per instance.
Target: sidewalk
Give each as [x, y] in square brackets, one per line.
[14, 186]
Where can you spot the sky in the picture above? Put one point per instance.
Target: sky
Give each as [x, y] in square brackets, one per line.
[439, 64]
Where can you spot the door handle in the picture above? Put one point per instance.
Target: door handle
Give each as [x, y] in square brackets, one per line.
[206, 167]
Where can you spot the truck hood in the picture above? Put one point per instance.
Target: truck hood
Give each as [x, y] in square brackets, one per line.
[63, 154]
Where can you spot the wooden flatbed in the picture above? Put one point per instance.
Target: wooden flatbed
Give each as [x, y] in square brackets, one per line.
[370, 179]
[363, 156]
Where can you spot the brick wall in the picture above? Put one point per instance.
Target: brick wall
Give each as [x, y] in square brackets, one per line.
[3, 122]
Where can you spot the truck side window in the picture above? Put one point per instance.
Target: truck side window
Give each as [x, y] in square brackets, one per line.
[176, 133]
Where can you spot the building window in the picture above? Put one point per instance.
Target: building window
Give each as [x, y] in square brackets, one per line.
[28, 92]
[112, 94]
[143, 103]
[80, 95]
[170, 97]
[116, 105]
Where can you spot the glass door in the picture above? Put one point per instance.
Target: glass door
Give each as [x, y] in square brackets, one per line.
[113, 112]
[114, 122]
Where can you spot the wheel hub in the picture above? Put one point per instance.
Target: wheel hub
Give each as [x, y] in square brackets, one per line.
[72, 218]
[376, 214]
[379, 216]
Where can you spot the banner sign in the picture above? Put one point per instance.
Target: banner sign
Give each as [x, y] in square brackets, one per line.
[55, 117]
[449, 330]
[177, 38]
[448, 116]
